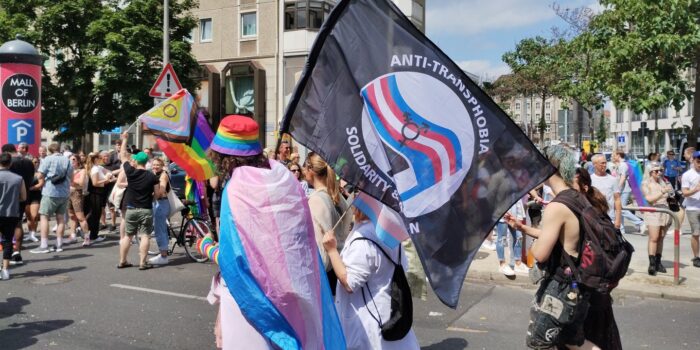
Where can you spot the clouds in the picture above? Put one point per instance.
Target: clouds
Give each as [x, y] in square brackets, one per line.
[485, 69]
[469, 17]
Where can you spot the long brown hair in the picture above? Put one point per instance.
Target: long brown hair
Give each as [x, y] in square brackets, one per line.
[225, 164]
[90, 160]
[595, 197]
[323, 171]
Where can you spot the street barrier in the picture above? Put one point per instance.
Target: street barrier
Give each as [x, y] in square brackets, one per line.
[676, 235]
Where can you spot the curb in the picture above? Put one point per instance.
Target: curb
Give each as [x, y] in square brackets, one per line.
[627, 288]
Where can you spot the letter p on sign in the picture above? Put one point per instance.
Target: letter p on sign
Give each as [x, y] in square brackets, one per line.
[20, 130]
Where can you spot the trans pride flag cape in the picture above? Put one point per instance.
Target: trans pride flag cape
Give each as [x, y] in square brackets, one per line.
[269, 259]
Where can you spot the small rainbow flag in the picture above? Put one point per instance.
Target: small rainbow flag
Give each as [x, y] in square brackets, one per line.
[192, 158]
[634, 169]
[388, 224]
[171, 119]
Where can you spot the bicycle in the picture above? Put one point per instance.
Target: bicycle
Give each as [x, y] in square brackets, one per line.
[192, 229]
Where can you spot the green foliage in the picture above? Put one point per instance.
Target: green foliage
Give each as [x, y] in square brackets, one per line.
[602, 130]
[110, 53]
[536, 71]
[646, 48]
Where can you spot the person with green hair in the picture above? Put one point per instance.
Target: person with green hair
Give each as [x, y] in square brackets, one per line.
[593, 326]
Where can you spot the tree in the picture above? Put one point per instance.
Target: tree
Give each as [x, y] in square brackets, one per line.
[648, 48]
[109, 54]
[535, 66]
[602, 130]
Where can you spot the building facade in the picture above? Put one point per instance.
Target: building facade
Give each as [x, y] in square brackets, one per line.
[252, 53]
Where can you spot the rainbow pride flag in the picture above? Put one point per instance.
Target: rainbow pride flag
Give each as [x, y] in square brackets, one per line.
[171, 119]
[388, 224]
[269, 259]
[192, 157]
[636, 175]
[194, 192]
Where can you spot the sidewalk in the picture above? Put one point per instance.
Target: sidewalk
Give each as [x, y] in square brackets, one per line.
[484, 267]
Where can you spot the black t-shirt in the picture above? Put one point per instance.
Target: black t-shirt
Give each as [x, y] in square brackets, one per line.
[114, 163]
[139, 191]
[24, 168]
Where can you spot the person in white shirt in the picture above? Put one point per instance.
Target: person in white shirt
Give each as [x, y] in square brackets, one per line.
[364, 285]
[609, 186]
[690, 186]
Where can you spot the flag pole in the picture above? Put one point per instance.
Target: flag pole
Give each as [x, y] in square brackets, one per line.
[344, 213]
[132, 125]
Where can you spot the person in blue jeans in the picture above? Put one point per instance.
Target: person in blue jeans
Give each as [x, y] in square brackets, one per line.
[161, 211]
[502, 230]
[620, 169]
[672, 168]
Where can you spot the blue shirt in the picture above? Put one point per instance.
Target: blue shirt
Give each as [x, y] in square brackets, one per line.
[56, 164]
[670, 167]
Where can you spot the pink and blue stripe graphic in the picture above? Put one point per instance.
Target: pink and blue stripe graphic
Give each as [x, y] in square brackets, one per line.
[269, 259]
[433, 151]
[388, 224]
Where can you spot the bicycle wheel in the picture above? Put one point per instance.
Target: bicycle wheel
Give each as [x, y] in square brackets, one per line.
[194, 230]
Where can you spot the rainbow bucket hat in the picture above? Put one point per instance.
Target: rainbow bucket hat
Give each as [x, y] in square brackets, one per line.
[237, 136]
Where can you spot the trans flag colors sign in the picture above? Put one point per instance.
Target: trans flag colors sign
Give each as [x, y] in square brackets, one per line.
[397, 118]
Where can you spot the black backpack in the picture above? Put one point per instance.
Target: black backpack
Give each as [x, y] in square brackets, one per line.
[401, 317]
[604, 255]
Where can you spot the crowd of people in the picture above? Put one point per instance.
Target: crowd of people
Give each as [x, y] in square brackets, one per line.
[85, 192]
[667, 184]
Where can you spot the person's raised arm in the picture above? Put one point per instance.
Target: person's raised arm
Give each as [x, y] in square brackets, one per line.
[123, 156]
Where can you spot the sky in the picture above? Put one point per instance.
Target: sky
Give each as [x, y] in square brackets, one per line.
[476, 33]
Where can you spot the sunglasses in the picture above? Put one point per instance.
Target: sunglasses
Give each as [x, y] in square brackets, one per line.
[655, 171]
[295, 170]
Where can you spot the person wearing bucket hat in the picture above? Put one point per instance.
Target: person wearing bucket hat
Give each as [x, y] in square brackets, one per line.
[266, 238]
[138, 198]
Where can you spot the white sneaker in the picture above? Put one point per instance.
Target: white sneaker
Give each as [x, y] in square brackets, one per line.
[506, 270]
[488, 245]
[642, 228]
[57, 249]
[32, 237]
[54, 228]
[40, 250]
[4, 274]
[99, 239]
[70, 240]
[158, 260]
[521, 268]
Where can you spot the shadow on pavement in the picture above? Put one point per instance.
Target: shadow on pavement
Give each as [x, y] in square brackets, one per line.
[23, 335]
[58, 257]
[448, 344]
[13, 306]
[47, 272]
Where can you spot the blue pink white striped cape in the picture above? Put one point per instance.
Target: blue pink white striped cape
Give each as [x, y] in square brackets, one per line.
[388, 224]
[269, 259]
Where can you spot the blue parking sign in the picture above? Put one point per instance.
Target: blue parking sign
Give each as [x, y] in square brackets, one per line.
[20, 130]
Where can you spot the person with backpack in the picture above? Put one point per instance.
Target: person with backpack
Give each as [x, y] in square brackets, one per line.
[572, 306]
[366, 270]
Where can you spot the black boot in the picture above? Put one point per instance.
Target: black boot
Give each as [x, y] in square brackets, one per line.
[659, 267]
[652, 265]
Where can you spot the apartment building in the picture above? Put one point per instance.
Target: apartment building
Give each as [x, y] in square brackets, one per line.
[252, 53]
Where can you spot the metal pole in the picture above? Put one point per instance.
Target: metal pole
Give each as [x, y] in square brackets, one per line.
[166, 33]
[676, 237]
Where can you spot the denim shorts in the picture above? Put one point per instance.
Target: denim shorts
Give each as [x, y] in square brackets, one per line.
[555, 323]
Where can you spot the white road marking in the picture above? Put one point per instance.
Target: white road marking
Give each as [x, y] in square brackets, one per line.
[148, 290]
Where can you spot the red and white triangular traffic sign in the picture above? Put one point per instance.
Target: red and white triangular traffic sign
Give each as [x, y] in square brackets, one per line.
[167, 83]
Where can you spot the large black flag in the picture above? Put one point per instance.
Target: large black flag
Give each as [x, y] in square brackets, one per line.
[395, 116]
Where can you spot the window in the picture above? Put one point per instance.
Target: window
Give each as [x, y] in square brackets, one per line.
[547, 129]
[537, 116]
[548, 117]
[517, 116]
[636, 117]
[417, 12]
[548, 105]
[538, 105]
[305, 14]
[517, 106]
[620, 116]
[662, 113]
[205, 30]
[691, 106]
[249, 24]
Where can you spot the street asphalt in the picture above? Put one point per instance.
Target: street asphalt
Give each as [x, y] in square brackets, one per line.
[77, 299]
